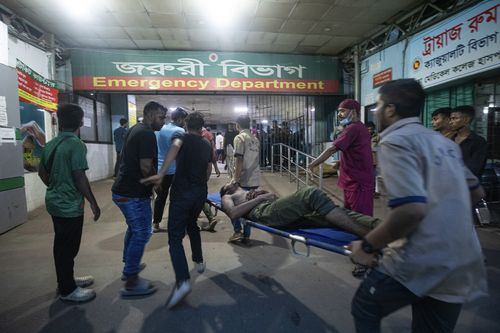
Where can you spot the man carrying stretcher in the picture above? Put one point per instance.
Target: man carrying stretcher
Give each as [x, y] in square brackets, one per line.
[308, 207]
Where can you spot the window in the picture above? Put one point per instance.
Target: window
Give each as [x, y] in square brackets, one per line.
[96, 118]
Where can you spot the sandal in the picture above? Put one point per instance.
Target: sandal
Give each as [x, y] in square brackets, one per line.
[359, 271]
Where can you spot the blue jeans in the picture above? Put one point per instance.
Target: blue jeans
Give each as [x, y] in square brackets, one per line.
[137, 212]
[237, 222]
[379, 295]
[184, 209]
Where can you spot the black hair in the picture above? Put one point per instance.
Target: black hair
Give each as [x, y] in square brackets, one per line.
[178, 113]
[243, 121]
[466, 110]
[218, 133]
[223, 191]
[70, 116]
[444, 111]
[123, 121]
[153, 107]
[407, 95]
[195, 121]
[370, 124]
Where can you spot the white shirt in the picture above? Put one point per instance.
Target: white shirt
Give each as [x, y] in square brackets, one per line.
[219, 142]
[442, 258]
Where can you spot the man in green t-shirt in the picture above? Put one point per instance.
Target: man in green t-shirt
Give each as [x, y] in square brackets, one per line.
[62, 169]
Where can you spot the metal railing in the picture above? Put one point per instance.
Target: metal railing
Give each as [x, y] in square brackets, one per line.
[295, 162]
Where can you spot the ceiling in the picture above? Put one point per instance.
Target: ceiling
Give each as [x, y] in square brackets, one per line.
[216, 109]
[282, 26]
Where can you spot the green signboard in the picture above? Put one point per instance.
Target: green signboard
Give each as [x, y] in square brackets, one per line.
[127, 70]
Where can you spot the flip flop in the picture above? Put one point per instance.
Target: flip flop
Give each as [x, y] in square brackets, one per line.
[359, 271]
[142, 288]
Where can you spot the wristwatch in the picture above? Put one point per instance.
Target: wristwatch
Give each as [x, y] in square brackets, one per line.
[367, 247]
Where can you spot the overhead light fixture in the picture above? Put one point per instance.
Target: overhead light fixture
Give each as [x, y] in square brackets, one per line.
[264, 121]
[222, 13]
[81, 9]
[486, 110]
[173, 108]
[313, 109]
[241, 109]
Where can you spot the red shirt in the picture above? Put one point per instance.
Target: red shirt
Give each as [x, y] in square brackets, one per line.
[356, 161]
[210, 138]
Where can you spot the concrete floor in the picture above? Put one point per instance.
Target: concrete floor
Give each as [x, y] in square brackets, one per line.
[263, 288]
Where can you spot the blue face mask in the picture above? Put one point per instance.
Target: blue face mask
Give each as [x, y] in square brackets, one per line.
[347, 120]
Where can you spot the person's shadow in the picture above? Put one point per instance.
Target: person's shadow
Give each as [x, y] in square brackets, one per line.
[240, 300]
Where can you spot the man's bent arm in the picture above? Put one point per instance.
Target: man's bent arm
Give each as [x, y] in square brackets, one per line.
[209, 170]
[241, 210]
[83, 186]
[323, 156]
[170, 156]
[147, 167]
[401, 221]
[43, 174]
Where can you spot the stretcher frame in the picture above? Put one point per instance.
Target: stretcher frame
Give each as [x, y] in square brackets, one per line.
[214, 200]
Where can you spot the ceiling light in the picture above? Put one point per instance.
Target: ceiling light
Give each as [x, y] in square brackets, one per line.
[313, 109]
[264, 121]
[222, 13]
[172, 108]
[82, 9]
[240, 109]
[486, 110]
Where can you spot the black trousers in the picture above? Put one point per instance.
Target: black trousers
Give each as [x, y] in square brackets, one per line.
[161, 198]
[68, 234]
[117, 164]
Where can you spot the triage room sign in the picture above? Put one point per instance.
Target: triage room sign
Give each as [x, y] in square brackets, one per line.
[203, 71]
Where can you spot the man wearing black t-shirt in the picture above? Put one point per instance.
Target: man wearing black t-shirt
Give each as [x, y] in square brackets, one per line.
[139, 155]
[473, 146]
[193, 156]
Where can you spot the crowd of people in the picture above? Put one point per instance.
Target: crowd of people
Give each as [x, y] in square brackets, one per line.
[431, 183]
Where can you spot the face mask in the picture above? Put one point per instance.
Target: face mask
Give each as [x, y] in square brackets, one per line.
[347, 120]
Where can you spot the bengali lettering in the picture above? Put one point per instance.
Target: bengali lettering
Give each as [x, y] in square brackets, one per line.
[184, 66]
[488, 15]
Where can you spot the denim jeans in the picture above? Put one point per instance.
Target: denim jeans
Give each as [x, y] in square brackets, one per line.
[184, 209]
[137, 212]
[237, 222]
[379, 295]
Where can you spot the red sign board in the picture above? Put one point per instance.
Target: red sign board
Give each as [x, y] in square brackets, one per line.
[35, 89]
[382, 77]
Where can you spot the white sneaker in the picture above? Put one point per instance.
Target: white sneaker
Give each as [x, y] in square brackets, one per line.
[84, 281]
[180, 291]
[200, 267]
[79, 295]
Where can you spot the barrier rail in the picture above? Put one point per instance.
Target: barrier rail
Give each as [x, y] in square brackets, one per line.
[295, 163]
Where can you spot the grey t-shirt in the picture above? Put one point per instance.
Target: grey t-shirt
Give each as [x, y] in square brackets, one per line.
[442, 258]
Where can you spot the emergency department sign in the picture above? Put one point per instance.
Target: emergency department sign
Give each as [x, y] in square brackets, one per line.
[466, 44]
[128, 70]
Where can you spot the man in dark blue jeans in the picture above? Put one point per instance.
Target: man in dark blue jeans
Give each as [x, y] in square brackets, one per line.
[193, 156]
[138, 160]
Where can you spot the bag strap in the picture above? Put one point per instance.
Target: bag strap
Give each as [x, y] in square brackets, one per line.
[48, 164]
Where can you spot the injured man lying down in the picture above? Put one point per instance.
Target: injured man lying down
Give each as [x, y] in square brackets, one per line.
[309, 207]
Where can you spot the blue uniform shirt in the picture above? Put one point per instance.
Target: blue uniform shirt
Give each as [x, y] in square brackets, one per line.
[164, 138]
